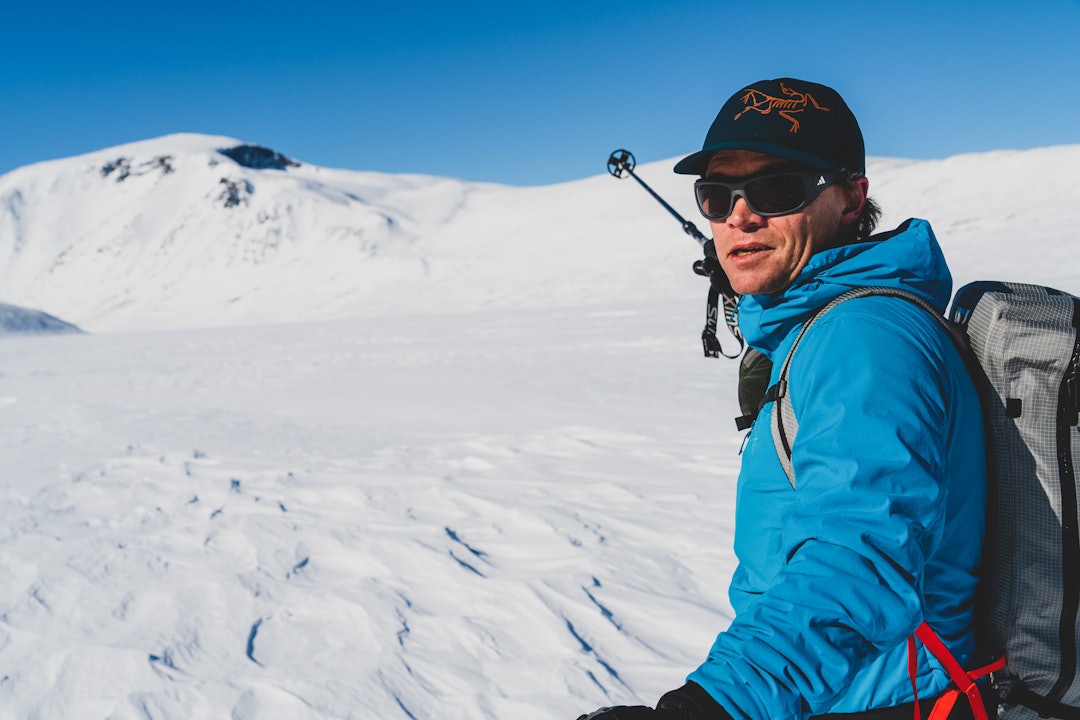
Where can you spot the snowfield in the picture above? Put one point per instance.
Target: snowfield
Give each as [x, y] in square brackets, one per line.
[501, 514]
[407, 448]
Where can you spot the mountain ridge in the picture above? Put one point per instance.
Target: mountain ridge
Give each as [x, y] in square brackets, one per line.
[193, 230]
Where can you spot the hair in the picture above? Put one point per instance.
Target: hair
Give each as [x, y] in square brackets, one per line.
[868, 218]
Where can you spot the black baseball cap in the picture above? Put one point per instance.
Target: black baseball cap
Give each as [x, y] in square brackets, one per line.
[801, 121]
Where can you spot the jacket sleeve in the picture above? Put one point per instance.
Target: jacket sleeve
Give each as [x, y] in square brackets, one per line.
[870, 463]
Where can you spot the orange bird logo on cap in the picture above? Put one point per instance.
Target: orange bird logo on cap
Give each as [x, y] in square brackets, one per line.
[786, 107]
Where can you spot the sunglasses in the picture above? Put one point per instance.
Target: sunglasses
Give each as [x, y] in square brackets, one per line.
[766, 195]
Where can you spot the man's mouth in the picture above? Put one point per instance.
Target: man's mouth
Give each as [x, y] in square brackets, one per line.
[742, 252]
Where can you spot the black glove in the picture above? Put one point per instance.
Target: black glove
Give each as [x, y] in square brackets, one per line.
[690, 702]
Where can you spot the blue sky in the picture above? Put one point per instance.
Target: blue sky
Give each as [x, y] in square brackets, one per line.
[525, 93]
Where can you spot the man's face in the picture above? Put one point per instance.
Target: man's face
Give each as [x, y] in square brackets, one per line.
[764, 255]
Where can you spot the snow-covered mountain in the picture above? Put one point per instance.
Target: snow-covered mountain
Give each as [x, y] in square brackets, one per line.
[195, 230]
[192, 230]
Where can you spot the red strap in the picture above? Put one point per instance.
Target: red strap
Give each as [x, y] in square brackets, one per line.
[913, 673]
[944, 705]
[964, 681]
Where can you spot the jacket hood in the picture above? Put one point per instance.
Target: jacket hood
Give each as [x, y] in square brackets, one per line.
[907, 258]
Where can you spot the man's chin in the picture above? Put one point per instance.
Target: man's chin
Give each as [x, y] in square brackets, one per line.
[755, 286]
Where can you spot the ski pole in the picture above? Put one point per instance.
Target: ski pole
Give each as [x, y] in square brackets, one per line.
[621, 163]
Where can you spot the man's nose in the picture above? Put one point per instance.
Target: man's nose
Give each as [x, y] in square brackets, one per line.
[742, 216]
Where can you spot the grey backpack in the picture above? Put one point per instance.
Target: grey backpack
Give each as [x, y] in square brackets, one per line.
[1022, 346]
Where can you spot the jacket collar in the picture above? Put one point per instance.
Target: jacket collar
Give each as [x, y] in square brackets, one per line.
[908, 257]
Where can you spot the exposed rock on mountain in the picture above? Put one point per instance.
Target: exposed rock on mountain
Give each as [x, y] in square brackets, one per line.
[23, 321]
[258, 158]
[235, 192]
[123, 169]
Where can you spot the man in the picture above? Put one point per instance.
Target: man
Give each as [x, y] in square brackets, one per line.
[881, 528]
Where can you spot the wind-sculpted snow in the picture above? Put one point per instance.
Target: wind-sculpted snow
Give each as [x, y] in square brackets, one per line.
[480, 516]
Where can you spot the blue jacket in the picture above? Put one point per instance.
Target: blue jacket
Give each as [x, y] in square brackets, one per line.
[885, 526]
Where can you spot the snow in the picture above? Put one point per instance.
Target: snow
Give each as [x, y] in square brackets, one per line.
[459, 458]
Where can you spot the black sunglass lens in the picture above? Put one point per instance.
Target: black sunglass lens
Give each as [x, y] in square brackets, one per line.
[714, 201]
[776, 194]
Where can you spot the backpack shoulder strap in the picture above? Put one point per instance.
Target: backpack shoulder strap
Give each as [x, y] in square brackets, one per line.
[784, 424]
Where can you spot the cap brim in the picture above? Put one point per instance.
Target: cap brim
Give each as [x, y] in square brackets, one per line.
[698, 163]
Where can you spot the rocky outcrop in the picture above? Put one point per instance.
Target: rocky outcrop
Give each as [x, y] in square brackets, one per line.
[258, 158]
[16, 320]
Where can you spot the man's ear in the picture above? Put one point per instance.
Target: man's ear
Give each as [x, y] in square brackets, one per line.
[856, 199]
